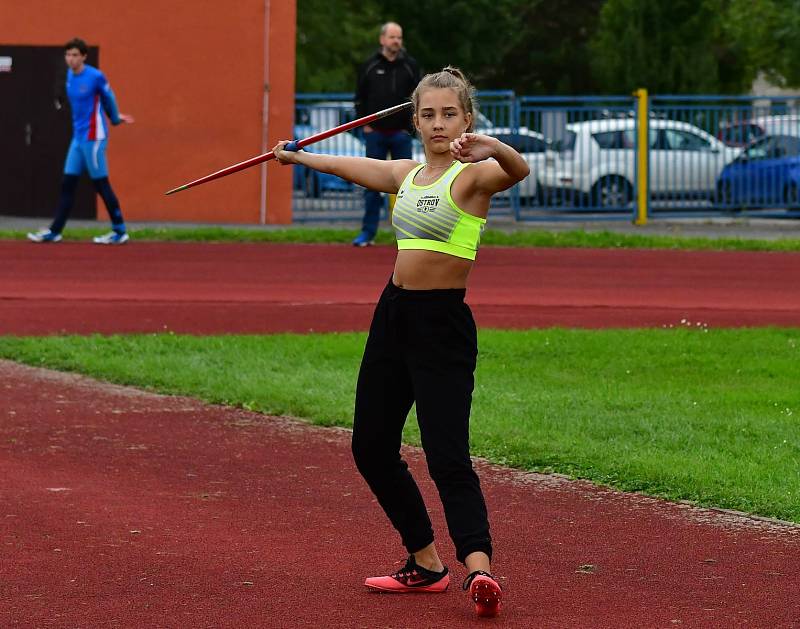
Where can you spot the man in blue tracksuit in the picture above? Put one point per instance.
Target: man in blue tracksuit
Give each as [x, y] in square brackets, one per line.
[386, 79]
[89, 95]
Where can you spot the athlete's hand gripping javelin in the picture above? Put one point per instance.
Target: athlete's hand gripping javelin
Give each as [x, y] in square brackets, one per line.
[284, 156]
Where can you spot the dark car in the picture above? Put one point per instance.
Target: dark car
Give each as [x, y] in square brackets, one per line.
[767, 172]
[740, 133]
[743, 132]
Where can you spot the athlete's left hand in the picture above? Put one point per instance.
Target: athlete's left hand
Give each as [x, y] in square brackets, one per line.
[127, 118]
[473, 147]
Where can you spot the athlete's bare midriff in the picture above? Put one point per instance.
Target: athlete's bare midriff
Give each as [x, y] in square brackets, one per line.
[419, 269]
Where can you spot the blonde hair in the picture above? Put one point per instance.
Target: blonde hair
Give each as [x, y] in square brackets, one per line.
[454, 79]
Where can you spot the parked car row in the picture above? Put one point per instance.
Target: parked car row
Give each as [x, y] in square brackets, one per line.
[593, 163]
[597, 160]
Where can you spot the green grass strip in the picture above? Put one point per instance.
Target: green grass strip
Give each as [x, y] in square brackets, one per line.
[706, 415]
[517, 238]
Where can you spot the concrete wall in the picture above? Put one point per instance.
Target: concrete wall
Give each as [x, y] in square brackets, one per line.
[210, 84]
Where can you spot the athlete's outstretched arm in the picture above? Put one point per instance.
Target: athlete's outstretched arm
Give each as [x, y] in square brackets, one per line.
[375, 174]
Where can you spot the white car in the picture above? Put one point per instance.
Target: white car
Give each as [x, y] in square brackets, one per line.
[532, 145]
[594, 162]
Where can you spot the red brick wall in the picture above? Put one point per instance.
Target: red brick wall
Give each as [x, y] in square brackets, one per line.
[193, 75]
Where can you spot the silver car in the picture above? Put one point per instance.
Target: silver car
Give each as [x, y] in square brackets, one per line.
[594, 162]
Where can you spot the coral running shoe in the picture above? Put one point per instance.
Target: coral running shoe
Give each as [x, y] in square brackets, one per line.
[412, 578]
[486, 593]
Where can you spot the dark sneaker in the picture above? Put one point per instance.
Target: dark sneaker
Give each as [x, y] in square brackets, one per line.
[363, 240]
[485, 592]
[44, 235]
[412, 578]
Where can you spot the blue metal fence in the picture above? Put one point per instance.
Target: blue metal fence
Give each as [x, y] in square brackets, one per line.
[588, 167]
[707, 155]
[741, 152]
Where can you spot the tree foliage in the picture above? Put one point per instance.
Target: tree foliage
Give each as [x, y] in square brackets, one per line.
[560, 47]
[473, 35]
[530, 46]
[547, 48]
[769, 33]
[667, 46]
[333, 38]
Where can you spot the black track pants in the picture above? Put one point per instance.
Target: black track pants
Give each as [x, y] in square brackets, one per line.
[422, 348]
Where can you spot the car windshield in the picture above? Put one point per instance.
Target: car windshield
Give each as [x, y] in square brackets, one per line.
[567, 143]
[679, 140]
[522, 143]
[624, 139]
[740, 133]
[772, 147]
[482, 122]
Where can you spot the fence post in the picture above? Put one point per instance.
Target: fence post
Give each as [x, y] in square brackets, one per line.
[642, 154]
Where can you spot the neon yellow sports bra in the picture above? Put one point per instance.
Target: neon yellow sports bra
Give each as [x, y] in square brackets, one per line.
[426, 217]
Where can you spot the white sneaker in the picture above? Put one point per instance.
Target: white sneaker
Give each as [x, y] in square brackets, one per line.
[44, 235]
[112, 238]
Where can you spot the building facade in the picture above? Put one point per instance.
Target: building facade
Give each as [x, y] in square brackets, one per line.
[210, 84]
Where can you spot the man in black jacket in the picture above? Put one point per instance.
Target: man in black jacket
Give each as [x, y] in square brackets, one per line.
[386, 79]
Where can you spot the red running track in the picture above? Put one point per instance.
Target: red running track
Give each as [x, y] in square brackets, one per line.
[254, 288]
[120, 508]
[123, 508]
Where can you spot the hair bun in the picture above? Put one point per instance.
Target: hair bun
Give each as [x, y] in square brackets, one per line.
[455, 72]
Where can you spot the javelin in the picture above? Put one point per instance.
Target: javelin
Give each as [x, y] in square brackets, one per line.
[296, 145]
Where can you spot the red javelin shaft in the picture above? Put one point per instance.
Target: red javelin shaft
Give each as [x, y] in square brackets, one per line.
[294, 146]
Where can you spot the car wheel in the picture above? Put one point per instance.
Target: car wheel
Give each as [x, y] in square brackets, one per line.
[312, 184]
[613, 191]
[792, 196]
